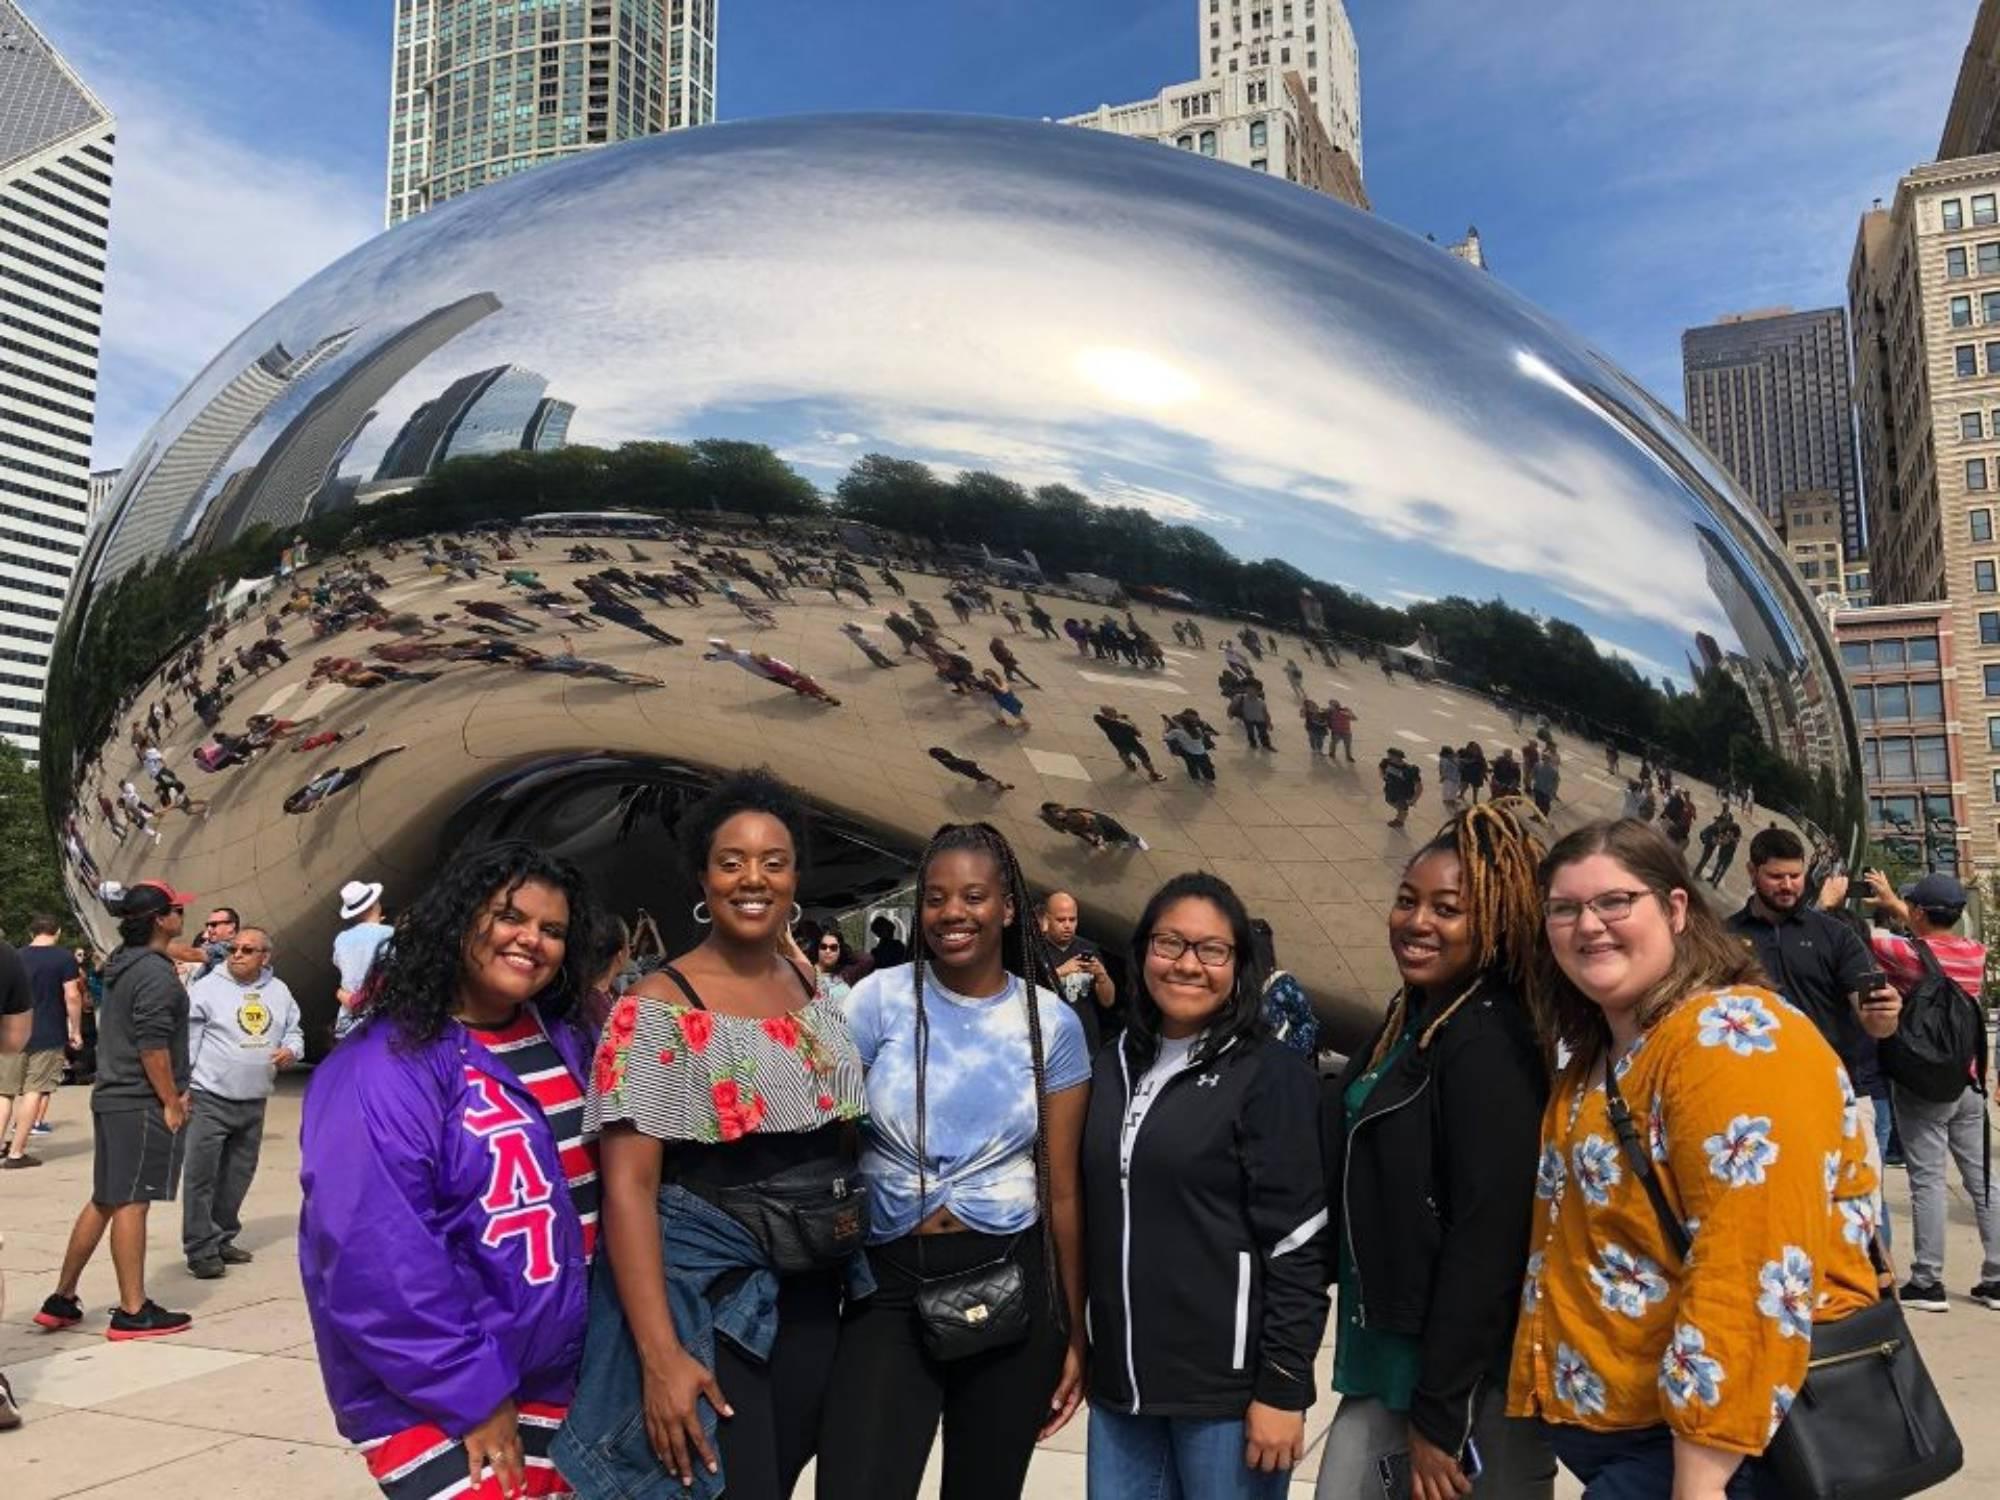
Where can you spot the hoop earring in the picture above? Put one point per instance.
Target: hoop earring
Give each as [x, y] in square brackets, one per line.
[702, 915]
[798, 913]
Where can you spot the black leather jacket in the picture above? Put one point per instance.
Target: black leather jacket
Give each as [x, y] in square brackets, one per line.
[1433, 1191]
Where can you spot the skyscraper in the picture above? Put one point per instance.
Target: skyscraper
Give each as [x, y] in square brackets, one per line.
[56, 141]
[1313, 36]
[478, 91]
[488, 411]
[1767, 392]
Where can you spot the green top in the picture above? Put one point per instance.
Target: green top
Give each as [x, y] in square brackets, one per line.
[1370, 1361]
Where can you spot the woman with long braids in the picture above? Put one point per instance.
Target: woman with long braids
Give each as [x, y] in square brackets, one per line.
[726, 1091]
[450, 1201]
[1206, 1213]
[1430, 1140]
[977, 1084]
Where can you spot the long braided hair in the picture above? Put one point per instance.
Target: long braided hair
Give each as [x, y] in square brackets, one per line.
[1023, 954]
[1499, 862]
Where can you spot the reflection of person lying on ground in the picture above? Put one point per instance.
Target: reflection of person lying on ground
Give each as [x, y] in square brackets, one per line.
[970, 769]
[620, 613]
[758, 664]
[498, 613]
[402, 653]
[174, 794]
[403, 622]
[527, 578]
[327, 737]
[357, 674]
[570, 664]
[1099, 830]
[335, 779]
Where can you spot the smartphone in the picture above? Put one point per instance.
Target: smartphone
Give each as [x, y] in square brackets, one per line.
[1394, 1470]
[1869, 983]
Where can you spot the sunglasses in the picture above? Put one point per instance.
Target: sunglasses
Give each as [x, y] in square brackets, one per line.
[248, 948]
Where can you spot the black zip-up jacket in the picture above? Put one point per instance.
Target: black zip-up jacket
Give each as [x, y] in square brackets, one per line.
[1208, 1263]
[1434, 1191]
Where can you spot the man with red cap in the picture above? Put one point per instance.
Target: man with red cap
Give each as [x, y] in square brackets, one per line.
[139, 1106]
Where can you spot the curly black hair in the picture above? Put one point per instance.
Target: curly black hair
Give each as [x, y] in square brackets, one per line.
[754, 789]
[417, 978]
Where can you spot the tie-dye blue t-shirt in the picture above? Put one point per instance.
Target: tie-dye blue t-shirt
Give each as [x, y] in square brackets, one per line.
[979, 1099]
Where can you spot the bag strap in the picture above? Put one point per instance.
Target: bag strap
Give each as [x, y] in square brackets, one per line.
[1641, 1162]
[680, 981]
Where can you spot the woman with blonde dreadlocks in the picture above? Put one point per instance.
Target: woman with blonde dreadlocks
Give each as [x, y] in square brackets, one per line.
[1430, 1141]
[977, 1078]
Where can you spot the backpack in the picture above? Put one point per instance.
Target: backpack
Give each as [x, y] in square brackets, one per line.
[1940, 1042]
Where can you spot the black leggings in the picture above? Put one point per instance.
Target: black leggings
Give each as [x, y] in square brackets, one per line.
[777, 1402]
[888, 1394]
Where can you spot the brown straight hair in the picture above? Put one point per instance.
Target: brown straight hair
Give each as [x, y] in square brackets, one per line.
[1705, 955]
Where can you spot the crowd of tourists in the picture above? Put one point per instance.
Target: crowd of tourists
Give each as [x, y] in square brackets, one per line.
[563, 1233]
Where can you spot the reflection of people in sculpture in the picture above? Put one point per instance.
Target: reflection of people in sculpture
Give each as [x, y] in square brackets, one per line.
[758, 664]
[357, 674]
[757, 613]
[1099, 830]
[971, 770]
[404, 623]
[327, 737]
[619, 612]
[570, 664]
[498, 614]
[335, 779]
[853, 630]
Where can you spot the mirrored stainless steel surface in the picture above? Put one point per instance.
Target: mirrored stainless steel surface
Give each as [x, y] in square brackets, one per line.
[1117, 364]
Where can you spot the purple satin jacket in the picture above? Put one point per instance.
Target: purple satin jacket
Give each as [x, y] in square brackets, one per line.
[443, 1262]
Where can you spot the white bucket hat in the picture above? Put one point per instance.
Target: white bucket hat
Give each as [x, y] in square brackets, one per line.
[356, 897]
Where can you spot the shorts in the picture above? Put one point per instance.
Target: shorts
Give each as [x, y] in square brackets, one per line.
[422, 1463]
[137, 1159]
[38, 1072]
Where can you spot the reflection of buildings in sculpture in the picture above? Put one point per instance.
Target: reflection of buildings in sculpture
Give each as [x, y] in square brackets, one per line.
[1972, 127]
[304, 456]
[548, 429]
[154, 515]
[1261, 119]
[1471, 249]
[1743, 601]
[646, 71]
[1767, 392]
[56, 142]
[1898, 661]
[488, 411]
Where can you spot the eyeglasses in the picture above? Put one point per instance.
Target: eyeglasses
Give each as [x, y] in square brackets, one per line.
[248, 948]
[1609, 907]
[215, 921]
[833, 947]
[1210, 953]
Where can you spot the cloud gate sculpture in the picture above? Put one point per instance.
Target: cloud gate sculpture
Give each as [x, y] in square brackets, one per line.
[521, 519]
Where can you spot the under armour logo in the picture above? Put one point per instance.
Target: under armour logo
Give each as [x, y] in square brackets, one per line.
[1207, 1081]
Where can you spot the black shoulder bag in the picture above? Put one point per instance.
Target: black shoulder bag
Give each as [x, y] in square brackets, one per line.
[1868, 1423]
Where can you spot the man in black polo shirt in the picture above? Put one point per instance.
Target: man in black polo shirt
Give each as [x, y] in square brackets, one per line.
[1818, 962]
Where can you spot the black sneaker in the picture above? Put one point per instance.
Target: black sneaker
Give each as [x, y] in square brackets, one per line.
[59, 1311]
[1987, 1293]
[231, 1256]
[151, 1321]
[1925, 1296]
[210, 1269]
[17, 1163]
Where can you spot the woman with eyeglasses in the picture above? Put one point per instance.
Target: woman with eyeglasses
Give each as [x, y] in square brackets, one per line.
[1429, 1138]
[830, 961]
[1205, 1218]
[1656, 1373]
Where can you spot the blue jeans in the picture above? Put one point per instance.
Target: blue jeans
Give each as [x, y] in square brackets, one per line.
[1885, 1127]
[1174, 1458]
[1636, 1464]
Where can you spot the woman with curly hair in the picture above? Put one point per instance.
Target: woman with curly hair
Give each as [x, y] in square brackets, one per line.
[1429, 1139]
[978, 1080]
[726, 1089]
[1653, 1369]
[450, 1201]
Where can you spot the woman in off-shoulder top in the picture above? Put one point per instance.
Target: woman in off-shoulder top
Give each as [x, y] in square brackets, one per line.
[721, 1078]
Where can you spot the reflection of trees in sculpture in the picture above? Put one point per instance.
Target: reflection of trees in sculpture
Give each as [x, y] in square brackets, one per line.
[1553, 665]
[29, 881]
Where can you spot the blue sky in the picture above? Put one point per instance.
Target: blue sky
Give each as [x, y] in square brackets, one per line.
[1633, 168]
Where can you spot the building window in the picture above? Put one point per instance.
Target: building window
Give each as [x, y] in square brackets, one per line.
[1892, 703]
[1961, 312]
[1260, 164]
[1983, 211]
[1895, 759]
[1982, 524]
[1989, 257]
[1259, 133]
[1969, 425]
[1855, 653]
[1965, 357]
[1989, 627]
[1982, 577]
[1927, 701]
[1991, 674]
[1888, 653]
[1975, 473]
[1923, 650]
[1954, 213]
[1993, 358]
[1208, 143]
[1954, 264]
[1989, 307]
[1931, 761]
[1186, 142]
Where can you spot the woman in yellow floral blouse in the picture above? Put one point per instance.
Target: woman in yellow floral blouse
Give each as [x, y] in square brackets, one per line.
[1656, 1377]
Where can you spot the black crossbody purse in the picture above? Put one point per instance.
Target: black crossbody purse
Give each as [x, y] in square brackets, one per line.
[976, 1310]
[1867, 1423]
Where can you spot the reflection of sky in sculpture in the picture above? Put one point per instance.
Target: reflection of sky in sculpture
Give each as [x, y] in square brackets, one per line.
[1058, 306]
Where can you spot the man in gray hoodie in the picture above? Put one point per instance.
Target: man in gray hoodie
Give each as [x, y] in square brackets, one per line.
[138, 1106]
[243, 1029]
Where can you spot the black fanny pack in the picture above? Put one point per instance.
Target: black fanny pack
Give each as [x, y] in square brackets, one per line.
[805, 1218]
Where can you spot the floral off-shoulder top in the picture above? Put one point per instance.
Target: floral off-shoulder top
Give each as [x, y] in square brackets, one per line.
[1754, 1131]
[680, 1073]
